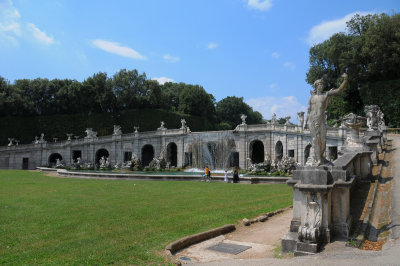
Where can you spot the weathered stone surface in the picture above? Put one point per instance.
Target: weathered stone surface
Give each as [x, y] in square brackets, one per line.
[306, 247]
[193, 239]
[246, 222]
[289, 242]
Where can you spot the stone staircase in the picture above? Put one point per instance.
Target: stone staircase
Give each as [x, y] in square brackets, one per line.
[371, 229]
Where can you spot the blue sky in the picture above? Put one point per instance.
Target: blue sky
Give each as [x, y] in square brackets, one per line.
[256, 49]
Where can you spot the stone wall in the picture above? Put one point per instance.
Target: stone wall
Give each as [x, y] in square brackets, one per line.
[293, 139]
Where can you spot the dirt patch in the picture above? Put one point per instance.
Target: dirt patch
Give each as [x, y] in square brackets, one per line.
[263, 237]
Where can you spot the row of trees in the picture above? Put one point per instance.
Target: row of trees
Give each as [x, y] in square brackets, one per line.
[370, 53]
[126, 90]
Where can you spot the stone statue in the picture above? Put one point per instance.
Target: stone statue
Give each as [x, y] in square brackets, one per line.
[36, 140]
[162, 127]
[287, 123]
[136, 129]
[42, 138]
[243, 117]
[11, 142]
[90, 134]
[183, 122]
[273, 120]
[117, 130]
[317, 106]
[354, 122]
[300, 117]
[371, 112]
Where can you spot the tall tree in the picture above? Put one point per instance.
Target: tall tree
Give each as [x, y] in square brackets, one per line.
[230, 109]
[370, 53]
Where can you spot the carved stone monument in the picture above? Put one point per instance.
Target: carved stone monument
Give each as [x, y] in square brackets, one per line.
[243, 117]
[117, 130]
[287, 123]
[354, 122]
[317, 106]
[162, 127]
[300, 118]
[321, 192]
[273, 119]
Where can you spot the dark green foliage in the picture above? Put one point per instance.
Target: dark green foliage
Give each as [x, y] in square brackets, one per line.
[56, 107]
[231, 108]
[370, 54]
[25, 128]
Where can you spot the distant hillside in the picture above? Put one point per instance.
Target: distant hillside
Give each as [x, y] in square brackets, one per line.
[57, 126]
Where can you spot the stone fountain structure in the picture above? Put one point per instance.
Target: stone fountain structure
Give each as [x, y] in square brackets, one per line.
[321, 189]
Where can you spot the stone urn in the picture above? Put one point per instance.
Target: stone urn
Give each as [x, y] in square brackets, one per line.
[354, 122]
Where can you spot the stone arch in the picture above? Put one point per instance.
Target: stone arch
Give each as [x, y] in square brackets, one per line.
[307, 153]
[53, 158]
[279, 150]
[147, 154]
[172, 154]
[257, 151]
[101, 153]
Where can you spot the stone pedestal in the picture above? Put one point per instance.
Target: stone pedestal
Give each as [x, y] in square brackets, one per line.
[321, 208]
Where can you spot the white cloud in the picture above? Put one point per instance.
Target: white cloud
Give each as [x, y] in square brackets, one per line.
[162, 80]
[261, 5]
[212, 45]
[40, 35]
[326, 29]
[289, 65]
[275, 55]
[116, 48]
[282, 106]
[10, 27]
[171, 59]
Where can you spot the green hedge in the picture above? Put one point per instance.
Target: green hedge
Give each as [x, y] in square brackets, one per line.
[57, 126]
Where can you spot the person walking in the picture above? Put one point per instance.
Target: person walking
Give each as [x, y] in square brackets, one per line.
[226, 176]
[235, 176]
[207, 174]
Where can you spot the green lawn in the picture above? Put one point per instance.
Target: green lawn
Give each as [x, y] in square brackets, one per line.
[47, 220]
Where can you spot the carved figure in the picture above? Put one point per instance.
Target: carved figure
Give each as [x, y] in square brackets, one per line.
[300, 117]
[311, 229]
[183, 122]
[317, 106]
[371, 112]
[117, 130]
[162, 127]
[354, 122]
[11, 142]
[287, 123]
[243, 117]
[42, 138]
[273, 119]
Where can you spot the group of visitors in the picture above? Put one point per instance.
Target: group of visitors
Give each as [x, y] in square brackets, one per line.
[207, 175]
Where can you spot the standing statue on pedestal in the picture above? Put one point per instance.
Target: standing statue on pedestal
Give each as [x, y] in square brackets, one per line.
[317, 106]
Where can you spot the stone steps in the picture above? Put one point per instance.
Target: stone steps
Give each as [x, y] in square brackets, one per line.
[377, 211]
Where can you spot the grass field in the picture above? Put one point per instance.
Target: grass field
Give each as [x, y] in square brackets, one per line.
[48, 220]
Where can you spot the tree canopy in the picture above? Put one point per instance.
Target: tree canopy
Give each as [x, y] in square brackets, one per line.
[125, 90]
[370, 54]
[231, 108]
